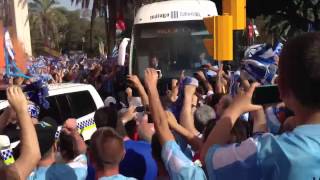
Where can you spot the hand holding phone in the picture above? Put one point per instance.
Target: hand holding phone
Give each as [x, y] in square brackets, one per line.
[266, 95]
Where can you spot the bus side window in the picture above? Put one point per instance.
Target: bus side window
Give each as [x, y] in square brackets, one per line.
[81, 103]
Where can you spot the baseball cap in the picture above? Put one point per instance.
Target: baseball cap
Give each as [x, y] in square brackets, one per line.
[46, 130]
[110, 100]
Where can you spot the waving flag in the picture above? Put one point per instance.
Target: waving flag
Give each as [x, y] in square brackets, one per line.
[259, 64]
[8, 44]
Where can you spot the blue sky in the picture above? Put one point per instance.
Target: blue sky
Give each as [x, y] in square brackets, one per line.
[67, 4]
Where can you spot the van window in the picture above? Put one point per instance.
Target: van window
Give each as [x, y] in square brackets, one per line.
[81, 103]
[64, 107]
[52, 112]
[59, 109]
[71, 105]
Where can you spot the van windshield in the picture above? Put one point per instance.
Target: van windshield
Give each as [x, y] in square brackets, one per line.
[177, 46]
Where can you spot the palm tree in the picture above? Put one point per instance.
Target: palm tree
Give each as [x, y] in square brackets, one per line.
[110, 7]
[47, 19]
[284, 19]
[103, 7]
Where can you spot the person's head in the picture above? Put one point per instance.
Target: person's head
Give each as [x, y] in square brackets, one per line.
[203, 116]
[67, 146]
[107, 148]
[108, 117]
[299, 75]
[153, 61]
[202, 56]
[240, 131]
[46, 132]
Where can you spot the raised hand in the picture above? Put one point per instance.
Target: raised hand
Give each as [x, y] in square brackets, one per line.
[17, 99]
[70, 125]
[136, 83]
[189, 90]
[150, 78]
[201, 75]
[242, 102]
[129, 115]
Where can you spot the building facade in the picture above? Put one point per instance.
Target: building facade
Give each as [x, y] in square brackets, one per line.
[14, 15]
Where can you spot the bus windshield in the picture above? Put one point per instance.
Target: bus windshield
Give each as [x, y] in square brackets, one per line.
[171, 46]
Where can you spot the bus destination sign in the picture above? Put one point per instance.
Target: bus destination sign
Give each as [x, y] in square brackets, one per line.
[174, 15]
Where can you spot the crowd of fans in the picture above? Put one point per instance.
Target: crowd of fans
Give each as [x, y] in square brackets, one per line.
[103, 73]
[205, 127]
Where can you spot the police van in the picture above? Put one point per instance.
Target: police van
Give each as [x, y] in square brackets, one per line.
[70, 100]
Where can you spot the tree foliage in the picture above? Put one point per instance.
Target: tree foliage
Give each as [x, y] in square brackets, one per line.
[296, 17]
[286, 18]
[73, 35]
[46, 19]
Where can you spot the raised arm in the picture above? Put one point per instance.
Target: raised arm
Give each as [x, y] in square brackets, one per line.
[186, 116]
[156, 109]
[192, 139]
[139, 87]
[259, 121]
[70, 127]
[203, 79]
[30, 152]
[221, 132]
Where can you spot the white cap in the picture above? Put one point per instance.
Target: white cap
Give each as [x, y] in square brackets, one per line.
[4, 142]
[109, 100]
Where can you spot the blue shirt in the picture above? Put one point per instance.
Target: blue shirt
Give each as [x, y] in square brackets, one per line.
[39, 173]
[76, 169]
[138, 161]
[80, 166]
[178, 165]
[55, 171]
[117, 177]
[294, 155]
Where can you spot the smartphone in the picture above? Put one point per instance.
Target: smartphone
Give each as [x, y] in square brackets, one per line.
[140, 109]
[266, 95]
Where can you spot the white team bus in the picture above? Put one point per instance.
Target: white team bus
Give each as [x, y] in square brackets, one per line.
[173, 31]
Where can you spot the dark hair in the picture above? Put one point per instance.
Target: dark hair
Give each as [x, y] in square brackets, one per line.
[107, 147]
[214, 99]
[131, 129]
[240, 131]
[67, 146]
[106, 117]
[299, 69]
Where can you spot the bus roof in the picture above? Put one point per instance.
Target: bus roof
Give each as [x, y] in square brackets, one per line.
[175, 10]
